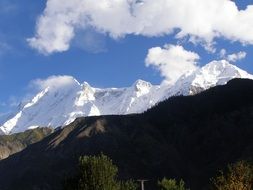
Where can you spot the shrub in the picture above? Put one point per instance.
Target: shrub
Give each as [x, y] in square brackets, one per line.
[238, 176]
[171, 184]
[128, 185]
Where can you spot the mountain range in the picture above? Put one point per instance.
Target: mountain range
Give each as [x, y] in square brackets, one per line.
[184, 137]
[64, 99]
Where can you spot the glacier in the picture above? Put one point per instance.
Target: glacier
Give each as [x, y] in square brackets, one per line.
[60, 103]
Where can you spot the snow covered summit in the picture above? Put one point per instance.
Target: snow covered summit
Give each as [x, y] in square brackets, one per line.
[62, 99]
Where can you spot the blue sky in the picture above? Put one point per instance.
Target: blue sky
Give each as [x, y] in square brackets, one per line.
[92, 55]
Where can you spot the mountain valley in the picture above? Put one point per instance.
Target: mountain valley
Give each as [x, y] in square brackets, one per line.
[188, 137]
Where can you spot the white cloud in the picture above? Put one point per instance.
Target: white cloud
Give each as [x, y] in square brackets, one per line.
[202, 20]
[35, 86]
[54, 82]
[232, 57]
[172, 61]
[223, 53]
[236, 56]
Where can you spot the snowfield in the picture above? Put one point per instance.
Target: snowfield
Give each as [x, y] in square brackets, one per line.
[61, 102]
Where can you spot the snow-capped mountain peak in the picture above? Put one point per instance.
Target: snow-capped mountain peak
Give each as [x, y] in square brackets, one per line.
[141, 87]
[62, 99]
[140, 84]
[218, 72]
[85, 94]
[212, 74]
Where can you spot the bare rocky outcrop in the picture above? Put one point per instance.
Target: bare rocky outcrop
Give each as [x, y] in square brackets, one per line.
[11, 144]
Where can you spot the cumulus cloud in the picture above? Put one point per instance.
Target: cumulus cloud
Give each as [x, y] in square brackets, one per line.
[54, 82]
[202, 21]
[236, 56]
[232, 57]
[172, 61]
[35, 86]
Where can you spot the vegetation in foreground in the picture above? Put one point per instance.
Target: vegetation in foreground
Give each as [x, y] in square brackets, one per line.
[171, 184]
[238, 176]
[99, 172]
[189, 138]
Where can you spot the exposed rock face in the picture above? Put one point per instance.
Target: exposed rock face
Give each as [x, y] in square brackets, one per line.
[10, 144]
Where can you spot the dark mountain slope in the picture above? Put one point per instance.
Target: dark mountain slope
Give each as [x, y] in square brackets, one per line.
[184, 137]
[10, 144]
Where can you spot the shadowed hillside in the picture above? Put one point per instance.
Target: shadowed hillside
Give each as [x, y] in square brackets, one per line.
[10, 144]
[184, 137]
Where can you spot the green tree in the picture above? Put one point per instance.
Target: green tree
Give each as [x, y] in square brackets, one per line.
[128, 185]
[238, 176]
[97, 173]
[171, 184]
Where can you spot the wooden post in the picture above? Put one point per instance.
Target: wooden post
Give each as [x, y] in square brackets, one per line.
[142, 183]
